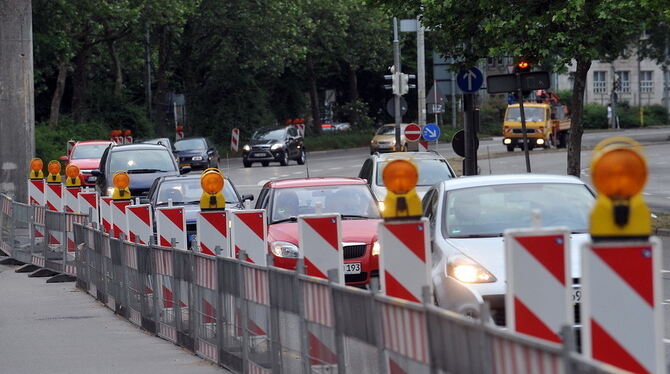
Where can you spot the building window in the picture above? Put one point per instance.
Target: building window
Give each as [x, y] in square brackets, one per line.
[646, 81]
[623, 78]
[600, 82]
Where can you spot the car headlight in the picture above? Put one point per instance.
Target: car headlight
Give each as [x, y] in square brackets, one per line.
[376, 248]
[85, 171]
[507, 141]
[246, 147]
[275, 147]
[468, 271]
[110, 191]
[284, 249]
[381, 206]
[373, 142]
[196, 158]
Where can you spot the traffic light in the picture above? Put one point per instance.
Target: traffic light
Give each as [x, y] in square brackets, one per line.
[619, 173]
[400, 177]
[395, 83]
[121, 182]
[72, 176]
[522, 67]
[36, 166]
[400, 83]
[212, 182]
[54, 172]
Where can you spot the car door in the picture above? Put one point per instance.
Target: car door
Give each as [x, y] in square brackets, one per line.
[292, 141]
[366, 172]
[212, 153]
[101, 181]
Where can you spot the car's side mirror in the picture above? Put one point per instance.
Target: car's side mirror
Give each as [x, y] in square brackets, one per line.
[184, 169]
[64, 158]
[96, 173]
[249, 197]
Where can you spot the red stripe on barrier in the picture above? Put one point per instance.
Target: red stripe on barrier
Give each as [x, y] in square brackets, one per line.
[174, 215]
[142, 213]
[204, 249]
[633, 267]
[608, 350]
[409, 238]
[209, 312]
[324, 227]
[218, 222]
[312, 270]
[56, 188]
[394, 368]
[528, 323]
[51, 207]
[319, 352]
[548, 250]
[395, 289]
[252, 221]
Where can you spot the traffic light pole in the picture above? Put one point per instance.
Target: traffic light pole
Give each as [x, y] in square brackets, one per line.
[396, 69]
[523, 123]
[470, 134]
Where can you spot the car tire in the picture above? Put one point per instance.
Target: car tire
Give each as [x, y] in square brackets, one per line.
[510, 148]
[284, 159]
[302, 157]
[246, 163]
[265, 163]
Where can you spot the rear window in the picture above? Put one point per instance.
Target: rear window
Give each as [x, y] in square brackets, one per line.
[431, 171]
[88, 151]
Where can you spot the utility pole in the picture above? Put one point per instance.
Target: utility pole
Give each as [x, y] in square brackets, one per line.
[453, 100]
[147, 62]
[396, 69]
[421, 72]
[17, 122]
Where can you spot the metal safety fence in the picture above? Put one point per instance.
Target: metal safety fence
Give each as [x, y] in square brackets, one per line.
[256, 319]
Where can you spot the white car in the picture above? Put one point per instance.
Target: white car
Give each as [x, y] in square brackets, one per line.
[433, 168]
[467, 218]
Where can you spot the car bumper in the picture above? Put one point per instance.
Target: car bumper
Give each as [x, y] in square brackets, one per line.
[193, 164]
[262, 155]
[369, 269]
[384, 148]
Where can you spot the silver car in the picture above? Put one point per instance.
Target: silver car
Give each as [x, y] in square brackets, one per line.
[468, 217]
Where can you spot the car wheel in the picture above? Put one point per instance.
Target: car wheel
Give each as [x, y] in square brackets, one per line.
[302, 157]
[246, 163]
[510, 148]
[265, 163]
[284, 159]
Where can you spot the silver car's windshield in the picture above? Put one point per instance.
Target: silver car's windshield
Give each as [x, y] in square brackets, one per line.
[185, 191]
[490, 210]
[431, 171]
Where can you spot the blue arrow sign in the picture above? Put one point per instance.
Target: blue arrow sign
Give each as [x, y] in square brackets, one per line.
[430, 132]
[470, 80]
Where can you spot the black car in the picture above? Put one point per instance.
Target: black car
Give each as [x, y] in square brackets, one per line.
[274, 144]
[143, 162]
[196, 153]
[185, 190]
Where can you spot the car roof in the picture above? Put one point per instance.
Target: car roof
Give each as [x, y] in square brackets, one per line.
[488, 180]
[313, 182]
[93, 142]
[191, 138]
[410, 155]
[136, 146]
[185, 176]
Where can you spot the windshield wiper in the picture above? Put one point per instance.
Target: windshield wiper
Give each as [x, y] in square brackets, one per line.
[141, 171]
[476, 236]
[289, 219]
[354, 216]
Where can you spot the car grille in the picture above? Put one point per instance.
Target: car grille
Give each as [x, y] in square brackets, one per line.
[351, 278]
[354, 251]
[384, 143]
[520, 131]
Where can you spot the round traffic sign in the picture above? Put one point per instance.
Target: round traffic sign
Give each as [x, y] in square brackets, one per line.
[458, 143]
[390, 106]
[430, 132]
[412, 132]
[470, 80]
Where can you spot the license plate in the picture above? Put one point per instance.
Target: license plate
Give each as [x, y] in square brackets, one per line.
[576, 295]
[352, 268]
[259, 154]
[183, 164]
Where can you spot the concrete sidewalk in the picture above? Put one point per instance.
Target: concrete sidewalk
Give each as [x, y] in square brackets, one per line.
[56, 328]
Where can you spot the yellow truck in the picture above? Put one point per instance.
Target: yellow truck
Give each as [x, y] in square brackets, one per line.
[547, 123]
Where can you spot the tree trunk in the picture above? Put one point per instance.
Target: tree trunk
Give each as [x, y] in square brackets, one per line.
[80, 85]
[577, 117]
[160, 100]
[313, 96]
[353, 83]
[116, 67]
[58, 94]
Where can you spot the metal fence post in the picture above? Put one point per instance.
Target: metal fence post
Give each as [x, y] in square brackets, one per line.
[339, 336]
[427, 296]
[220, 342]
[302, 322]
[379, 331]
[568, 335]
[244, 311]
[275, 339]
[154, 278]
[486, 349]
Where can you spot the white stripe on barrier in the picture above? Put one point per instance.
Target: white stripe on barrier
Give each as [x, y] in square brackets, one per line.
[163, 262]
[212, 229]
[36, 192]
[252, 368]
[320, 244]
[405, 332]
[139, 223]
[71, 199]
[248, 233]
[318, 303]
[538, 259]
[88, 203]
[171, 224]
[119, 221]
[130, 255]
[256, 287]
[207, 351]
[106, 213]
[54, 196]
[205, 272]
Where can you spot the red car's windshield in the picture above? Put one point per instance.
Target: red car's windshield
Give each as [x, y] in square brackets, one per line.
[350, 201]
[88, 151]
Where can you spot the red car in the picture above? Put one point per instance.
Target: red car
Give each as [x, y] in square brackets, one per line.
[86, 155]
[284, 200]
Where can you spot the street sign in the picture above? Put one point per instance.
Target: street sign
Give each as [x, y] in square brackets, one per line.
[412, 132]
[536, 80]
[458, 143]
[435, 108]
[390, 106]
[430, 132]
[470, 80]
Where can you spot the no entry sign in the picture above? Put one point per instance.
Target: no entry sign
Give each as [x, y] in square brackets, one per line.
[412, 132]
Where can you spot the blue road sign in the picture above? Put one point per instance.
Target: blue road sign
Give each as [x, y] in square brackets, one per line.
[470, 80]
[430, 132]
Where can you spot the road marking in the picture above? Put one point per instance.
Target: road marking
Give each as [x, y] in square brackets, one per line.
[317, 170]
[298, 172]
[336, 168]
[666, 341]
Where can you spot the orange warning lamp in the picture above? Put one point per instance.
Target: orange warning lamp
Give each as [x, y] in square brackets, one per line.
[400, 177]
[54, 172]
[127, 132]
[36, 166]
[619, 173]
[72, 174]
[212, 182]
[121, 181]
[523, 65]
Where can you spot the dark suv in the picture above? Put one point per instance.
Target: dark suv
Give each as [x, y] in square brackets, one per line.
[274, 144]
[143, 162]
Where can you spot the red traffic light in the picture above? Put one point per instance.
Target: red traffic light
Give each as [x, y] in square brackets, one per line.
[523, 65]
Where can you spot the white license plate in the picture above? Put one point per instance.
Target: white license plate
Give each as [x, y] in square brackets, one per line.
[576, 295]
[259, 154]
[352, 268]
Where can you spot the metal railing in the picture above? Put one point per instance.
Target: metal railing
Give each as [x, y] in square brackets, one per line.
[255, 319]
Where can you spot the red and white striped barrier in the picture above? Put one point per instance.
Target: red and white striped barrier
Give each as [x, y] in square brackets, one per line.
[139, 225]
[212, 229]
[164, 267]
[54, 196]
[320, 245]
[319, 310]
[622, 310]
[404, 259]
[538, 259]
[405, 332]
[248, 233]
[252, 368]
[205, 276]
[171, 224]
[36, 192]
[235, 140]
[39, 218]
[106, 214]
[301, 128]
[70, 145]
[88, 204]
[71, 199]
[423, 146]
[119, 221]
[128, 139]
[510, 357]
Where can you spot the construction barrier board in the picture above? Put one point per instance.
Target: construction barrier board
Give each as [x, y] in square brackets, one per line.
[212, 229]
[106, 213]
[71, 199]
[88, 204]
[36, 192]
[119, 221]
[248, 233]
[139, 225]
[320, 244]
[54, 197]
[171, 224]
